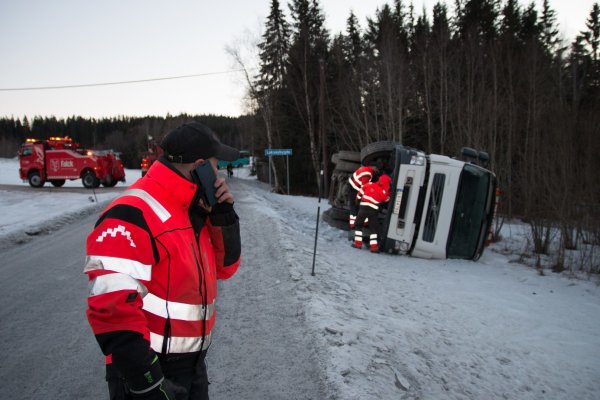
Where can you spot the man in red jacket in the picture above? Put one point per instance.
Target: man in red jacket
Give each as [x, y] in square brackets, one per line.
[153, 260]
[371, 196]
[357, 180]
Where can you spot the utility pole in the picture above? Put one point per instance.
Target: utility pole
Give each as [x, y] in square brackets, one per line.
[325, 170]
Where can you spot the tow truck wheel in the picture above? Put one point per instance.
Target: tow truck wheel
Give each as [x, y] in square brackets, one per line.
[90, 181]
[57, 182]
[35, 180]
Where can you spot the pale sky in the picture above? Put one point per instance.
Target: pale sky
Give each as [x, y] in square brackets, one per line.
[46, 43]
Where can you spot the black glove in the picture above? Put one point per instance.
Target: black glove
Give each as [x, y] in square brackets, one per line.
[151, 385]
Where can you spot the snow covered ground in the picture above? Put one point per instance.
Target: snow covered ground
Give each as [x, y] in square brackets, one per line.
[393, 327]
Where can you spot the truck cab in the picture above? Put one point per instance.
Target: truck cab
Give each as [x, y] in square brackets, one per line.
[440, 207]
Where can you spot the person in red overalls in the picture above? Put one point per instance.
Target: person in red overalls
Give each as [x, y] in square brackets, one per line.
[371, 196]
[153, 261]
[357, 180]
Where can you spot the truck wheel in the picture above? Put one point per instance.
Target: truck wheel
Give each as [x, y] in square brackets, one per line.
[35, 180]
[347, 166]
[353, 156]
[109, 181]
[57, 182]
[371, 152]
[90, 181]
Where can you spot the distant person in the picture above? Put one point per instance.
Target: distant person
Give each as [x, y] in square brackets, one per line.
[360, 177]
[371, 197]
[229, 170]
[153, 260]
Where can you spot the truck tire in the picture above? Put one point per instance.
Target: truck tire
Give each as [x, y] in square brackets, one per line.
[112, 183]
[371, 152]
[90, 181]
[109, 181]
[353, 156]
[347, 166]
[339, 214]
[57, 182]
[336, 223]
[35, 180]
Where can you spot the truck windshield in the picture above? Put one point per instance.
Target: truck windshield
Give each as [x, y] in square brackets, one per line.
[470, 213]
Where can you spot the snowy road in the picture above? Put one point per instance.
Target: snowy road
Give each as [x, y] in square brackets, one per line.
[365, 327]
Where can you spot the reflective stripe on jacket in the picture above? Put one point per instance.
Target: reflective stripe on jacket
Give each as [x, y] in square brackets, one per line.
[372, 195]
[360, 177]
[152, 272]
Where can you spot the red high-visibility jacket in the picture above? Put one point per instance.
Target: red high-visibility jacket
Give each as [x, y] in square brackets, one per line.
[153, 264]
[374, 193]
[361, 176]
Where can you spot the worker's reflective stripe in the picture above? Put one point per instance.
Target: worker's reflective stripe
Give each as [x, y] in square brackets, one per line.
[114, 282]
[158, 209]
[180, 344]
[185, 312]
[373, 239]
[133, 268]
[364, 203]
[357, 177]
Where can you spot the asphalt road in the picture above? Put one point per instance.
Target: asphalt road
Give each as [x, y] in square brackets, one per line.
[262, 348]
[47, 349]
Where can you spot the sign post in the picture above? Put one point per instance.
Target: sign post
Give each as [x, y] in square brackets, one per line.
[280, 152]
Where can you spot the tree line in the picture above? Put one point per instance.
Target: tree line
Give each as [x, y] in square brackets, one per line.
[129, 136]
[493, 75]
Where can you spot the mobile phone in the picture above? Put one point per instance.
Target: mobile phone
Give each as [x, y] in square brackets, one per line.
[204, 175]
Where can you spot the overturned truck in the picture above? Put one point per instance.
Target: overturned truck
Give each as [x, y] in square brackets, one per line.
[440, 207]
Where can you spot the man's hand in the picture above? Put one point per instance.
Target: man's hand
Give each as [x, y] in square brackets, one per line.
[222, 193]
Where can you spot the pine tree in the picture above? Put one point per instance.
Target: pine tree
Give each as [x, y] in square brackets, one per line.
[274, 49]
[592, 34]
[549, 29]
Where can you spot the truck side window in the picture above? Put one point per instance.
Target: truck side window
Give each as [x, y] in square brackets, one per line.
[26, 151]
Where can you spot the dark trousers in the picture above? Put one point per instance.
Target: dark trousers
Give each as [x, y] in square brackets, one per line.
[365, 212]
[353, 203]
[186, 379]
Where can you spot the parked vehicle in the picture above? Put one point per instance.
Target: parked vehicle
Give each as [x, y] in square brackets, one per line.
[244, 159]
[154, 151]
[440, 207]
[59, 158]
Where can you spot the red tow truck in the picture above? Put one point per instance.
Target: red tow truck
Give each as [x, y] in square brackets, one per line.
[59, 158]
[154, 151]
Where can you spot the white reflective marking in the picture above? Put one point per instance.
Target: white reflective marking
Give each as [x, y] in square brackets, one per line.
[133, 268]
[115, 282]
[158, 209]
[180, 344]
[182, 311]
[120, 229]
[374, 206]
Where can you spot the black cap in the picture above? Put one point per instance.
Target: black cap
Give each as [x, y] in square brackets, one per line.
[193, 141]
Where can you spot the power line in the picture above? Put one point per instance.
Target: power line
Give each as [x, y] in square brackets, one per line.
[118, 83]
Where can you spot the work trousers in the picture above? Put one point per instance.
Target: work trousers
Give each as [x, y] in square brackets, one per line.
[366, 212]
[185, 377]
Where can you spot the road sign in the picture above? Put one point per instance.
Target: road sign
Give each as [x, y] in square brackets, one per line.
[278, 152]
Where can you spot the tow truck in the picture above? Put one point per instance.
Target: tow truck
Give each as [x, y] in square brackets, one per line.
[154, 151]
[440, 207]
[60, 158]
